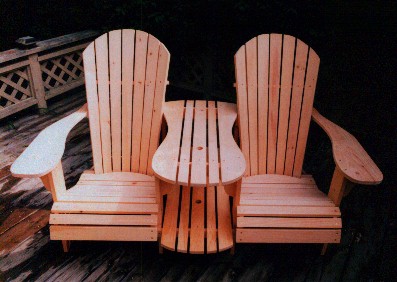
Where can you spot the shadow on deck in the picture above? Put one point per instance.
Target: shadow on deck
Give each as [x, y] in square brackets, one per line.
[26, 253]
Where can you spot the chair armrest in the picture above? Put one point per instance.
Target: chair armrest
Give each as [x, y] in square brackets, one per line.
[349, 156]
[46, 150]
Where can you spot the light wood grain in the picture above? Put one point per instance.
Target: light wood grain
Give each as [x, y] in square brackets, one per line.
[96, 219]
[242, 105]
[263, 100]
[225, 234]
[185, 155]
[285, 100]
[296, 103]
[184, 216]
[288, 211]
[103, 233]
[93, 105]
[115, 96]
[102, 64]
[213, 156]
[46, 150]
[211, 221]
[276, 222]
[197, 221]
[128, 50]
[246, 235]
[161, 83]
[150, 84]
[199, 150]
[141, 42]
[252, 88]
[274, 92]
[170, 223]
[349, 156]
[306, 112]
[165, 159]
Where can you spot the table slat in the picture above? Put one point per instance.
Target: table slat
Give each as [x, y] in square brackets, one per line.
[199, 150]
[231, 158]
[213, 162]
[184, 160]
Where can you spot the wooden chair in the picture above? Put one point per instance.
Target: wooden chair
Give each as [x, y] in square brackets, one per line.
[126, 76]
[276, 203]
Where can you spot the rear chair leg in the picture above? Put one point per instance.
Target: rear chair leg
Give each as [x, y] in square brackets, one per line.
[324, 249]
[66, 245]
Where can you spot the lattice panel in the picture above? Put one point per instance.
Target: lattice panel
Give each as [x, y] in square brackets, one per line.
[14, 87]
[62, 70]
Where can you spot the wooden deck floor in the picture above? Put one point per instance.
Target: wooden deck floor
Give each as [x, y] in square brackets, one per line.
[26, 253]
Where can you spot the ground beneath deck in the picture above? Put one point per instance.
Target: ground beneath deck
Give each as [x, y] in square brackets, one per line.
[26, 252]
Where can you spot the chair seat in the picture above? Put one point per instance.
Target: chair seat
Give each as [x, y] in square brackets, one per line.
[277, 208]
[105, 206]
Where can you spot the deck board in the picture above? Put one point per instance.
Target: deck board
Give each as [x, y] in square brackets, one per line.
[30, 255]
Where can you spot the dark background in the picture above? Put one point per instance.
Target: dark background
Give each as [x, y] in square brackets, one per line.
[356, 41]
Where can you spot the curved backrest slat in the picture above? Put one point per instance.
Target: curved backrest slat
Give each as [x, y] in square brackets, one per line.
[126, 74]
[275, 80]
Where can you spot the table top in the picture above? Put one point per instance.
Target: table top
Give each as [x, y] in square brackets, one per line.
[199, 149]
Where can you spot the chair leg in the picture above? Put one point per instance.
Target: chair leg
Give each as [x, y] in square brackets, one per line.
[66, 245]
[324, 249]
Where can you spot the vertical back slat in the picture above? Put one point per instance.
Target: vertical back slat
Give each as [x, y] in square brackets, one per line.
[242, 104]
[101, 48]
[307, 107]
[252, 88]
[128, 48]
[285, 98]
[296, 102]
[115, 96]
[139, 87]
[274, 88]
[150, 83]
[159, 93]
[93, 106]
[263, 100]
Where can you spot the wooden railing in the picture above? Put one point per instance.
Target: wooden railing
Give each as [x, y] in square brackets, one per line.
[30, 77]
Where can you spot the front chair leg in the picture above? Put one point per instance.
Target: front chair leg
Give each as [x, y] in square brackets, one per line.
[66, 245]
[324, 249]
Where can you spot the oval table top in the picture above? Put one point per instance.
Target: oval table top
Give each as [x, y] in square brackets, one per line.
[199, 149]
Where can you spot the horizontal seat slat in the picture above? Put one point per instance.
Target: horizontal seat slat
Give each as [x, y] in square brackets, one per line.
[288, 211]
[277, 222]
[116, 176]
[275, 178]
[106, 199]
[104, 208]
[95, 219]
[127, 191]
[257, 192]
[270, 186]
[115, 183]
[103, 233]
[287, 201]
[245, 235]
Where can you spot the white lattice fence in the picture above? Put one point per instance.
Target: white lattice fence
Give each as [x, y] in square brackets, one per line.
[29, 77]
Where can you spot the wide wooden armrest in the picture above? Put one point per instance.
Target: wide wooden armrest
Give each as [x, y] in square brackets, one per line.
[46, 150]
[350, 157]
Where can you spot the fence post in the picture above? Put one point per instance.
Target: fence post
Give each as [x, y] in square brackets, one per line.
[37, 81]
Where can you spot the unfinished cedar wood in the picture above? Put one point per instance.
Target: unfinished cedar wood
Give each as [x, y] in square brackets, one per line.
[126, 75]
[276, 77]
[197, 157]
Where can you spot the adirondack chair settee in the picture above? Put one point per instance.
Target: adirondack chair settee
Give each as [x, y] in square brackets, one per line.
[126, 76]
[276, 77]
